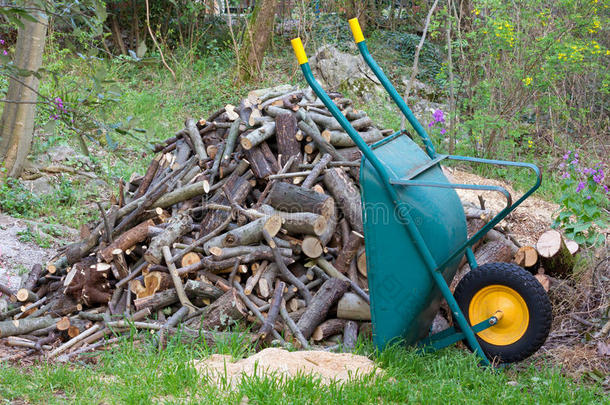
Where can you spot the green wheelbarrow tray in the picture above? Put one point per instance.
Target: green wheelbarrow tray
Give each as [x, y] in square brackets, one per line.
[414, 226]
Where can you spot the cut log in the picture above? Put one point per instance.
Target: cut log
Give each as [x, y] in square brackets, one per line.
[153, 282]
[361, 262]
[258, 135]
[312, 247]
[265, 283]
[328, 328]
[290, 198]
[24, 326]
[190, 259]
[350, 336]
[491, 252]
[25, 295]
[555, 257]
[351, 306]
[328, 295]
[32, 280]
[247, 234]
[527, 257]
[195, 138]
[127, 240]
[348, 251]
[286, 129]
[177, 227]
[224, 312]
[346, 195]
[572, 246]
[201, 292]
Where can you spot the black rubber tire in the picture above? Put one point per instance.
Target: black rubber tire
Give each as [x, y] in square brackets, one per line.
[532, 292]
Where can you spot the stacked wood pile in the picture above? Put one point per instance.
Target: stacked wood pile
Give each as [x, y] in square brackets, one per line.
[251, 215]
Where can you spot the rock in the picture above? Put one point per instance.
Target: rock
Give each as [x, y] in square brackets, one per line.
[420, 89]
[344, 72]
[40, 186]
[61, 153]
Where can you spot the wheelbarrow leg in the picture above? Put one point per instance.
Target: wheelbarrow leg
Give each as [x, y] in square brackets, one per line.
[459, 317]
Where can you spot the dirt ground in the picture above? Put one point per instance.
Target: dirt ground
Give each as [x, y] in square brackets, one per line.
[525, 224]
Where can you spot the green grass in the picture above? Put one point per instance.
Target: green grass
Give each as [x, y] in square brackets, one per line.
[135, 373]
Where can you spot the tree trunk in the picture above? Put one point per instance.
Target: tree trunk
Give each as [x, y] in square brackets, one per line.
[256, 39]
[17, 122]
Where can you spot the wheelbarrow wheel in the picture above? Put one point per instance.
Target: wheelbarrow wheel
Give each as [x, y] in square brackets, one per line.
[525, 319]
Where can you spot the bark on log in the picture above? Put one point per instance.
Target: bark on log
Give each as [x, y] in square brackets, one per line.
[328, 328]
[32, 279]
[346, 195]
[290, 198]
[330, 292]
[223, 312]
[200, 292]
[127, 240]
[24, 326]
[195, 138]
[286, 129]
[259, 135]
[274, 310]
[350, 336]
[348, 251]
[178, 226]
[248, 234]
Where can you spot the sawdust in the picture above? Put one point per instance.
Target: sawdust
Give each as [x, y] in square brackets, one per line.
[530, 220]
[280, 363]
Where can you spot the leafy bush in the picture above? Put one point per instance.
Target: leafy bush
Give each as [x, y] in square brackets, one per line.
[15, 199]
[584, 197]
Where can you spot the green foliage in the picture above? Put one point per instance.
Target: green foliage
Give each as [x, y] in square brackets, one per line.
[16, 200]
[529, 69]
[584, 201]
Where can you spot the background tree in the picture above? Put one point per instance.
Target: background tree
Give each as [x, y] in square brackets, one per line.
[17, 122]
[256, 39]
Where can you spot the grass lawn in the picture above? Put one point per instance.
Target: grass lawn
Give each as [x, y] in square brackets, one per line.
[136, 373]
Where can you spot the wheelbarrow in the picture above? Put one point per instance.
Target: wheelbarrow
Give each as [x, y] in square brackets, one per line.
[415, 237]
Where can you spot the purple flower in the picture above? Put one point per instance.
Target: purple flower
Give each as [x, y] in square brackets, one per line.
[431, 124]
[566, 175]
[4, 52]
[443, 131]
[567, 155]
[439, 116]
[576, 155]
[1, 42]
[580, 187]
[598, 178]
[574, 162]
[588, 171]
[588, 197]
[606, 188]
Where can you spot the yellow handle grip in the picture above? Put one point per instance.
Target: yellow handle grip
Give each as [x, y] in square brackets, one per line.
[299, 50]
[356, 30]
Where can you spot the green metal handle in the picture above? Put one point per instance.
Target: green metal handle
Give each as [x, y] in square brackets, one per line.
[398, 100]
[334, 110]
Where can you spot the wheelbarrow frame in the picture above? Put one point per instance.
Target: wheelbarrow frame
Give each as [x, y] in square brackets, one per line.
[450, 335]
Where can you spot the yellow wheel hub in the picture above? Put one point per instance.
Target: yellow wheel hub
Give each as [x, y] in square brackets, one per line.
[514, 318]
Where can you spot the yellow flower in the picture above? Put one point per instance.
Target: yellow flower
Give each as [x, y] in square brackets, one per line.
[527, 81]
[530, 143]
[476, 11]
[607, 52]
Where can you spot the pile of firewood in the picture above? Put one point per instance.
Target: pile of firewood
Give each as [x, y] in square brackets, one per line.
[252, 215]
